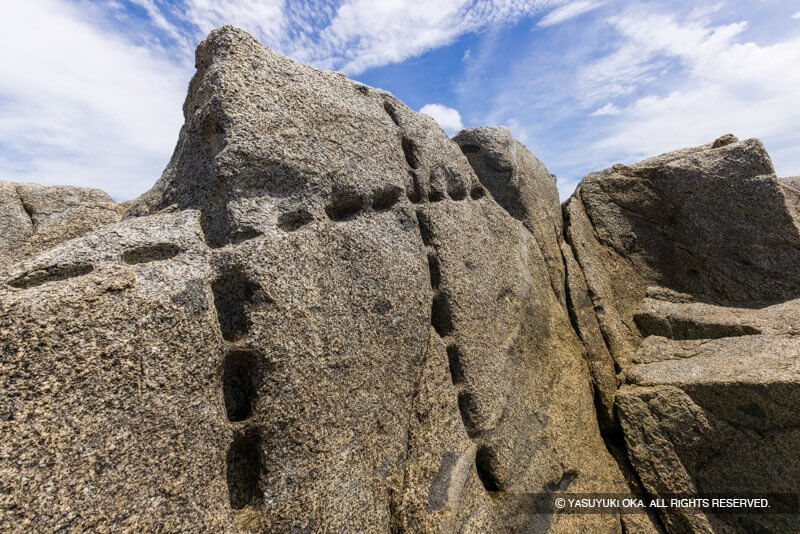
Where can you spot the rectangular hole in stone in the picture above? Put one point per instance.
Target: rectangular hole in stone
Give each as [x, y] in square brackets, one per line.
[54, 273]
[240, 382]
[384, 198]
[441, 315]
[344, 205]
[244, 468]
[411, 153]
[484, 464]
[233, 292]
[433, 267]
[425, 230]
[455, 364]
[152, 252]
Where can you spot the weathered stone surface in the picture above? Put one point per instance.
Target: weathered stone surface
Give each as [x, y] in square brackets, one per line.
[326, 316]
[523, 186]
[315, 321]
[36, 217]
[689, 260]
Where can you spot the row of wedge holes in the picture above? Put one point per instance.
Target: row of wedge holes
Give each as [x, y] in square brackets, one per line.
[442, 322]
[242, 373]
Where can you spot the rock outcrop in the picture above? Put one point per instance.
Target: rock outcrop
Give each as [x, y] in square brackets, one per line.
[326, 316]
[317, 319]
[36, 217]
[689, 262]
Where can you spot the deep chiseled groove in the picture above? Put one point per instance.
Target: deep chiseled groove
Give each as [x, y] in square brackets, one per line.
[294, 220]
[611, 433]
[151, 252]
[411, 152]
[455, 363]
[233, 293]
[53, 273]
[392, 112]
[384, 198]
[469, 413]
[484, 464]
[240, 382]
[344, 205]
[244, 468]
[435, 272]
[686, 329]
[441, 315]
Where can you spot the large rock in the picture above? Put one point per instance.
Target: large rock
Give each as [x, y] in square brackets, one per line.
[689, 265]
[37, 217]
[315, 321]
[523, 186]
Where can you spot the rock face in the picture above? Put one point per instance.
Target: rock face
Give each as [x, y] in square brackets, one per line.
[36, 217]
[326, 316]
[689, 262]
[317, 320]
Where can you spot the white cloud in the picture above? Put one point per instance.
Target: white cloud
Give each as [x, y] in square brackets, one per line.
[568, 11]
[351, 35]
[448, 118]
[640, 81]
[264, 18]
[81, 105]
[725, 85]
[796, 15]
[647, 42]
[608, 109]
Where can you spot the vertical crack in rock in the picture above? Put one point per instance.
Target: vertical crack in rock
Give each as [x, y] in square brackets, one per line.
[26, 208]
[610, 431]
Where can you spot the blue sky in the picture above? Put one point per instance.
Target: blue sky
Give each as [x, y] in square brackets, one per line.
[91, 92]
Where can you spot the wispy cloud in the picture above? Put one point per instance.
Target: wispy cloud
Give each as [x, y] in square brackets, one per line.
[796, 15]
[608, 109]
[83, 106]
[568, 11]
[448, 118]
[726, 84]
[644, 79]
[351, 35]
